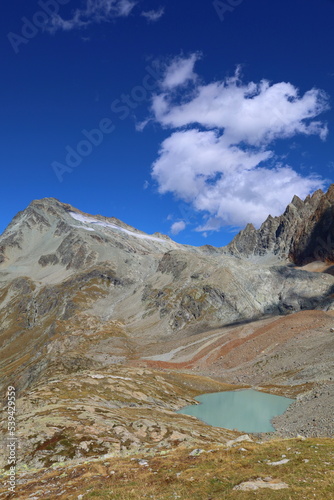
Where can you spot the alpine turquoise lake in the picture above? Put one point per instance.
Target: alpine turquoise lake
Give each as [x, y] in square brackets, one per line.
[245, 410]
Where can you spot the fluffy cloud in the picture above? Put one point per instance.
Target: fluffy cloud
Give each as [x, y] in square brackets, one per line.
[221, 159]
[153, 15]
[179, 72]
[177, 227]
[94, 11]
[255, 113]
[198, 158]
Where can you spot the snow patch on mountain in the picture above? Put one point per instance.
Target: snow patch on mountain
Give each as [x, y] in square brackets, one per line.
[90, 220]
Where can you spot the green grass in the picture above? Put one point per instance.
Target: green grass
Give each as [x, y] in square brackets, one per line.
[210, 475]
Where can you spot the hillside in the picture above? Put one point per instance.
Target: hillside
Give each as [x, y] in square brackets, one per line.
[105, 331]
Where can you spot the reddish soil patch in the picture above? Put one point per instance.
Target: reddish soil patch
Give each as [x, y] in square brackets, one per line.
[244, 343]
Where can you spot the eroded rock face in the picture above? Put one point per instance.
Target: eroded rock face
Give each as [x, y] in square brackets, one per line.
[171, 263]
[47, 260]
[304, 233]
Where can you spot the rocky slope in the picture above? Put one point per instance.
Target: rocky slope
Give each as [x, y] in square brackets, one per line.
[83, 291]
[303, 234]
[112, 412]
[91, 310]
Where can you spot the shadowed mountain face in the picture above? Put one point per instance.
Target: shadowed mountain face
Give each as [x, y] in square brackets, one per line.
[85, 299]
[303, 234]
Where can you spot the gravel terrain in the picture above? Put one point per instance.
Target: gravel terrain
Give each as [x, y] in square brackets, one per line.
[310, 416]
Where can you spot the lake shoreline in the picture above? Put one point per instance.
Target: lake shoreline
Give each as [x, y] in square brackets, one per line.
[243, 410]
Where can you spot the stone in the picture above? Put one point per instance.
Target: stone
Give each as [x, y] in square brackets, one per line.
[259, 484]
[143, 463]
[280, 462]
[196, 452]
[240, 439]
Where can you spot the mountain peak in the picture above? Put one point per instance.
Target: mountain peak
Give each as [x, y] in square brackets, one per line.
[302, 234]
[54, 238]
[297, 202]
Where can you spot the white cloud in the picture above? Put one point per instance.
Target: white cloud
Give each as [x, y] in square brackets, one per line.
[177, 227]
[221, 157]
[225, 181]
[94, 11]
[253, 113]
[153, 15]
[190, 160]
[179, 72]
[252, 195]
[124, 7]
[139, 126]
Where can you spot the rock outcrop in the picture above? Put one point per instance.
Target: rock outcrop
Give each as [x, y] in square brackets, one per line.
[303, 234]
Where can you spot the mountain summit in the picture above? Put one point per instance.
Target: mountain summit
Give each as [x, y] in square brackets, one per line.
[302, 234]
[50, 239]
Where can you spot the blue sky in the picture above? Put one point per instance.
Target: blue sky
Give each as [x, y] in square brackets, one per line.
[189, 118]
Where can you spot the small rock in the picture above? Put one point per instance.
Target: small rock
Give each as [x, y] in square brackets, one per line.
[196, 452]
[280, 462]
[239, 439]
[143, 463]
[84, 445]
[260, 483]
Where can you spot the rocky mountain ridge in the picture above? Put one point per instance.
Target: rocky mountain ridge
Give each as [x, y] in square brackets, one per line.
[303, 233]
[64, 272]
